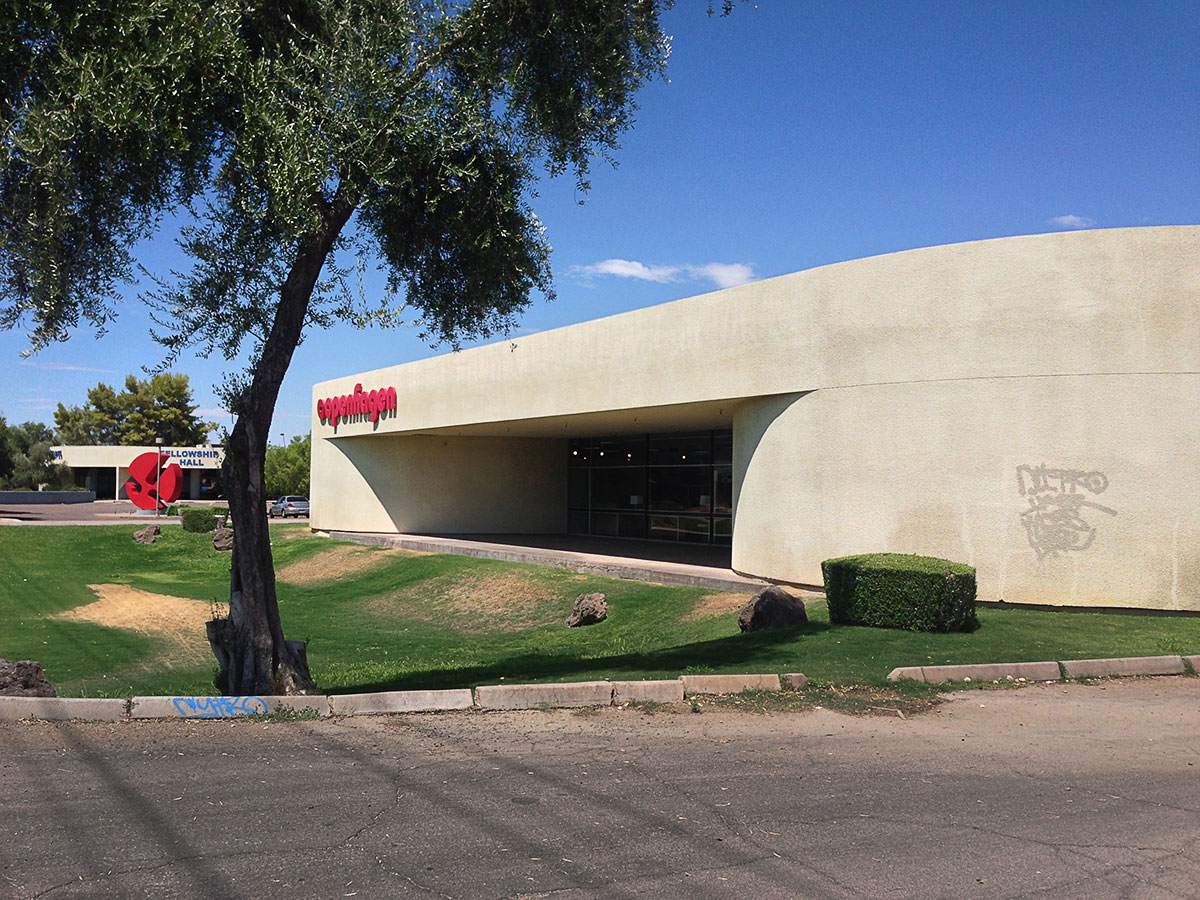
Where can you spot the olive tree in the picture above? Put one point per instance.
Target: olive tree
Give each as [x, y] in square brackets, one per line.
[293, 137]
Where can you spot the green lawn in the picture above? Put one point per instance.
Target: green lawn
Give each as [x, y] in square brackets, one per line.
[433, 621]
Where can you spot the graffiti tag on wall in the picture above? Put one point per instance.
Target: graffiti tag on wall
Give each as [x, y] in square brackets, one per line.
[1058, 499]
[219, 707]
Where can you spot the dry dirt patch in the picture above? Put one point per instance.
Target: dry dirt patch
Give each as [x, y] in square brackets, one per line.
[344, 559]
[177, 619]
[507, 601]
[714, 605]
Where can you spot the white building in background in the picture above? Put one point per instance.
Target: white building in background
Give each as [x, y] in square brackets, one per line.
[1028, 405]
[104, 469]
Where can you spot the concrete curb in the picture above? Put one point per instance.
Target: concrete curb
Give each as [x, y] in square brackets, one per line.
[1130, 665]
[534, 696]
[399, 702]
[642, 691]
[561, 695]
[1030, 671]
[727, 684]
[224, 707]
[486, 697]
[62, 708]
[1048, 671]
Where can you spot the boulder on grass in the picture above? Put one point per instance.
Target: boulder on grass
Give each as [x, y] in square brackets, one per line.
[772, 607]
[222, 538]
[589, 609]
[147, 535]
[24, 679]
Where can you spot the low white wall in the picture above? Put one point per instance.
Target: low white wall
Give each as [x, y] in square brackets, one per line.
[955, 469]
[439, 484]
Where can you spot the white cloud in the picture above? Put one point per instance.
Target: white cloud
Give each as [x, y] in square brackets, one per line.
[36, 402]
[627, 268]
[1069, 222]
[64, 367]
[213, 411]
[722, 275]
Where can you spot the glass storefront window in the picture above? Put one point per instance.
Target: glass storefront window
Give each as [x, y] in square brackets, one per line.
[722, 448]
[579, 452]
[578, 490]
[622, 451]
[723, 489]
[682, 488]
[619, 488]
[618, 525]
[672, 487]
[680, 449]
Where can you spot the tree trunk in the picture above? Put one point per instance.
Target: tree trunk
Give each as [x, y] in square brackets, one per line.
[249, 645]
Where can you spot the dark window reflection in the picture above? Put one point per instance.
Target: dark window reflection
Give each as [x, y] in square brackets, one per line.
[577, 488]
[579, 452]
[681, 488]
[619, 488]
[680, 449]
[672, 487]
[626, 451]
[723, 489]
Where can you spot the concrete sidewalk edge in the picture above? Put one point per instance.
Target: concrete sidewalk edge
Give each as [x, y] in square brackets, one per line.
[556, 695]
[1050, 670]
[551, 695]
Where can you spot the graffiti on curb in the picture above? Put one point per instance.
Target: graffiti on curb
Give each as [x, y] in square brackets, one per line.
[219, 707]
[1054, 521]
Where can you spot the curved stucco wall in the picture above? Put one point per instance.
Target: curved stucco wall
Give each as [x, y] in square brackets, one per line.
[1069, 490]
[1119, 300]
[1026, 404]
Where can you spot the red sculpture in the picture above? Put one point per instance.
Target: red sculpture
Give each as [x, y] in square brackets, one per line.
[152, 481]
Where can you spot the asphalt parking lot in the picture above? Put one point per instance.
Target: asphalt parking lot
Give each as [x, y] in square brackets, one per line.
[1065, 791]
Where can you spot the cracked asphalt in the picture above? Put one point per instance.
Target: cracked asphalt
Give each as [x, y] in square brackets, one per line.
[1058, 791]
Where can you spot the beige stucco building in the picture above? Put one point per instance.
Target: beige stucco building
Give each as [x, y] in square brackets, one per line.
[1028, 405]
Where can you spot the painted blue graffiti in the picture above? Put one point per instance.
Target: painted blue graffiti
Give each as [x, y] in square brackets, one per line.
[219, 707]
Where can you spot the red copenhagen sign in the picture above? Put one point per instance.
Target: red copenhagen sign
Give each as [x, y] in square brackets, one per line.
[152, 482]
[366, 404]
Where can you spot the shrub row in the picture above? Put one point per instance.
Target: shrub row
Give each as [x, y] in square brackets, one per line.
[894, 590]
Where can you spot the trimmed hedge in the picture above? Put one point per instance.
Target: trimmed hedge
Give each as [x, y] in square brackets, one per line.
[895, 590]
[198, 518]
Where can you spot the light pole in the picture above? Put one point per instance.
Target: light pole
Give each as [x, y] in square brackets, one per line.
[157, 476]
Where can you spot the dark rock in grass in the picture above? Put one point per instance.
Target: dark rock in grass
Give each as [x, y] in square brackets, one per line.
[24, 679]
[772, 607]
[222, 538]
[147, 535]
[589, 609]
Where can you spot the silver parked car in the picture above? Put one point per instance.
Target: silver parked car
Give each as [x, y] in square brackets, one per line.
[288, 506]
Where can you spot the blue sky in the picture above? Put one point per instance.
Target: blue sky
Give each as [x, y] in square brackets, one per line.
[792, 135]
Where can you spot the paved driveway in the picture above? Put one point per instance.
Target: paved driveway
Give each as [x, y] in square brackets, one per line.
[101, 512]
[1063, 791]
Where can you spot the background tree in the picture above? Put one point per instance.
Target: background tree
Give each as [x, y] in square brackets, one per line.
[160, 406]
[286, 469]
[407, 131]
[6, 452]
[26, 460]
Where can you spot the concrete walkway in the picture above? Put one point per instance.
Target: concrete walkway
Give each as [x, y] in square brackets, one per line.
[696, 566]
